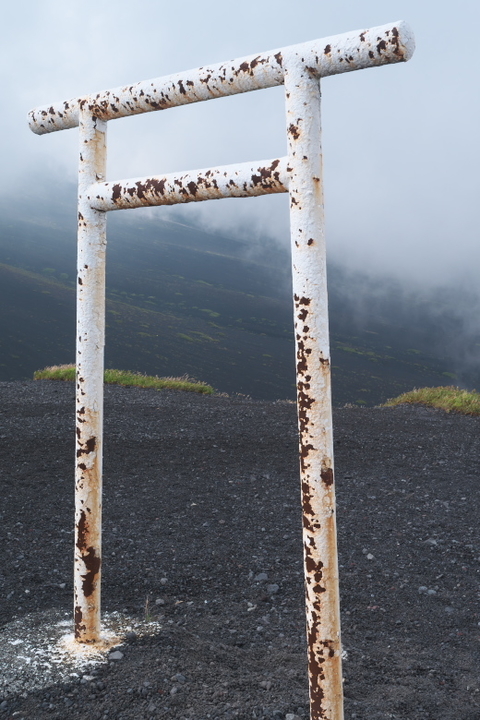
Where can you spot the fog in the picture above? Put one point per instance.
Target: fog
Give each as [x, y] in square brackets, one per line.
[400, 146]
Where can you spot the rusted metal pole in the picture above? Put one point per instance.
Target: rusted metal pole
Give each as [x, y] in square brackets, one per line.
[302, 91]
[89, 386]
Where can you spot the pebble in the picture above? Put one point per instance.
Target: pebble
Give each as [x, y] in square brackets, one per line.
[116, 655]
[131, 635]
[422, 589]
[261, 577]
[179, 678]
[449, 610]
[292, 716]
[163, 581]
[272, 589]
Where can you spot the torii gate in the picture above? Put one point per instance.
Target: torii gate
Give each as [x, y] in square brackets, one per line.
[299, 68]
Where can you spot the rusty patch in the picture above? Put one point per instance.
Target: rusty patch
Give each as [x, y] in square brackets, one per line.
[304, 453]
[294, 131]
[301, 300]
[88, 446]
[82, 531]
[327, 476]
[381, 47]
[92, 565]
[79, 626]
[89, 556]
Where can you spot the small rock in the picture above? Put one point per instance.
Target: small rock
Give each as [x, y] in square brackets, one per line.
[179, 678]
[131, 635]
[266, 684]
[62, 586]
[431, 541]
[174, 690]
[116, 655]
[272, 589]
[422, 589]
[159, 601]
[370, 556]
[163, 581]
[449, 610]
[431, 592]
[261, 577]
[260, 628]
[292, 716]
[3, 705]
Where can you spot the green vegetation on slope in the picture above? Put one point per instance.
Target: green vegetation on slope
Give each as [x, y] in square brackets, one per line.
[448, 398]
[124, 377]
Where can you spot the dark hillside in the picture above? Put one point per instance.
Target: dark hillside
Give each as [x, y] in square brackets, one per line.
[181, 300]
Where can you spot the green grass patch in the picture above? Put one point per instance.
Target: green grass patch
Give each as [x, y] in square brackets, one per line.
[129, 379]
[449, 398]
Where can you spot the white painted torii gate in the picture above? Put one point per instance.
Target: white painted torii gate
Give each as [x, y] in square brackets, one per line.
[299, 68]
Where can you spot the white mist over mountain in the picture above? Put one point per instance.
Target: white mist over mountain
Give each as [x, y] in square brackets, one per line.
[400, 147]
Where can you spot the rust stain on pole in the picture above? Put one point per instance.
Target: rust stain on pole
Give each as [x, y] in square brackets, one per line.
[302, 91]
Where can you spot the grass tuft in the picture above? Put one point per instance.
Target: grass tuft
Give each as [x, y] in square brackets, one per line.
[129, 379]
[449, 398]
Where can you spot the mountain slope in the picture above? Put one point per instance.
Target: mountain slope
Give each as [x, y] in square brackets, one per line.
[180, 300]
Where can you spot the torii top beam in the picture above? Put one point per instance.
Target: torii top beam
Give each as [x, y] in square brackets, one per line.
[355, 50]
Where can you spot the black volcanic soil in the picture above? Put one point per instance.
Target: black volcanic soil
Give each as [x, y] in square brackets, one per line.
[201, 497]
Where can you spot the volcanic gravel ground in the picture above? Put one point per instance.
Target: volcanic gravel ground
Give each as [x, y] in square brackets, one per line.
[202, 559]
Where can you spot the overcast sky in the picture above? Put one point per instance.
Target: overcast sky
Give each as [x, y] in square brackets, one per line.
[401, 147]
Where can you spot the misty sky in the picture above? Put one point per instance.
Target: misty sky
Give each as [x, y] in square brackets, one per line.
[401, 148]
